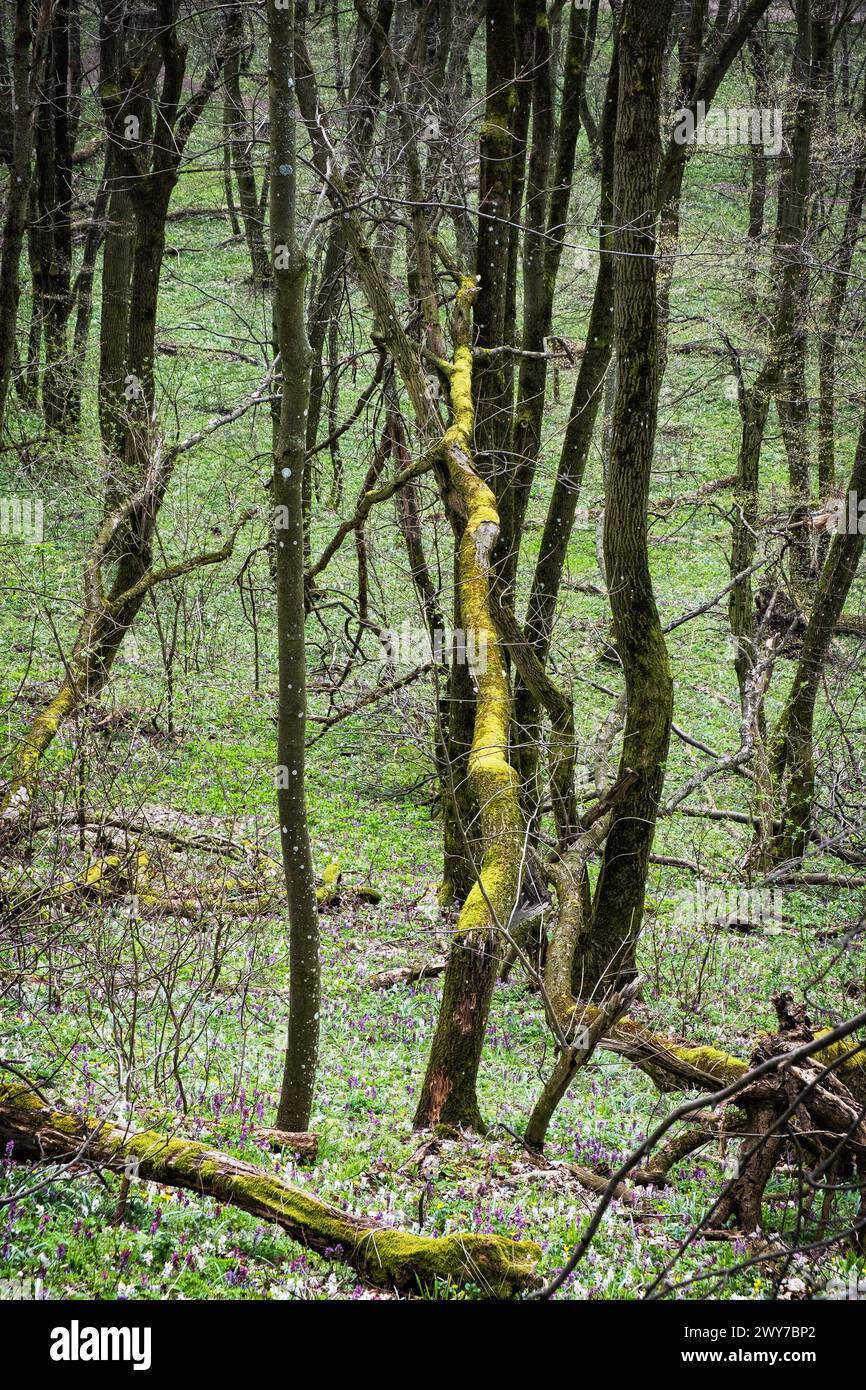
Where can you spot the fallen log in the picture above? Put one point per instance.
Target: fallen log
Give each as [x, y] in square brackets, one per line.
[407, 974]
[382, 1256]
[676, 1066]
[301, 1142]
[809, 1102]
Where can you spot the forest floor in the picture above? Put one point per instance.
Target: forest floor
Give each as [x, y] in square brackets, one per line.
[172, 1244]
[179, 1022]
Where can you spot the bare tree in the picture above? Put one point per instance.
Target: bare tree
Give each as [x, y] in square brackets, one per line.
[290, 432]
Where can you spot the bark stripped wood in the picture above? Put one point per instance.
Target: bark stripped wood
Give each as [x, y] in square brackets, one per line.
[302, 1143]
[806, 1098]
[407, 974]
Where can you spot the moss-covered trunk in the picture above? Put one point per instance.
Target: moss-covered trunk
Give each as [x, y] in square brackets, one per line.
[618, 905]
[448, 1093]
[381, 1255]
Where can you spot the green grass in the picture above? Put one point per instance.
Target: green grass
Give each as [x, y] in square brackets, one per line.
[370, 786]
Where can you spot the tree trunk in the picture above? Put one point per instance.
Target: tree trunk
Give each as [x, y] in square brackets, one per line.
[792, 753]
[94, 239]
[542, 251]
[116, 272]
[759, 63]
[290, 338]
[496, 143]
[618, 905]
[26, 63]
[241, 146]
[448, 1094]
[55, 210]
[754, 409]
[559, 523]
[783, 356]
[839, 284]
[791, 395]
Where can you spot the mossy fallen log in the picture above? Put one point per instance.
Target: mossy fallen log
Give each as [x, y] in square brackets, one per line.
[328, 891]
[110, 877]
[381, 1255]
[678, 1066]
[332, 889]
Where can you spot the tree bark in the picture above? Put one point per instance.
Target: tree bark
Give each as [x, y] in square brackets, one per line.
[27, 57]
[618, 904]
[290, 339]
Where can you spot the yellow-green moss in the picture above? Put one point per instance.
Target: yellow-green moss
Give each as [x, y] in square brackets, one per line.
[498, 1266]
[493, 780]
